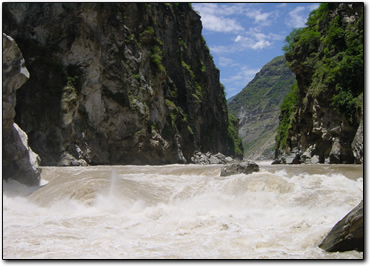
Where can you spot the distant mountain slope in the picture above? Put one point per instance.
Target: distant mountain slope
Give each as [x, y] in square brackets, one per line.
[258, 106]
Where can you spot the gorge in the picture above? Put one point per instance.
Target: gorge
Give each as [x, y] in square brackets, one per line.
[127, 83]
[127, 95]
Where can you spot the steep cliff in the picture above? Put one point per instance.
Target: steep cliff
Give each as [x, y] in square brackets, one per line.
[322, 121]
[257, 106]
[117, 83]
[19, 162]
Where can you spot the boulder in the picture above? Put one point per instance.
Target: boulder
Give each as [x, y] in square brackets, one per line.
[15, 74]
[348, 233]
[293, 158]
[19, 161]
[279, 161]
[239, 168]
[358, 142]
[209, 158]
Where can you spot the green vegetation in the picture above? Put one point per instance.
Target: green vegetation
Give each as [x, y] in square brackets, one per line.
[176, 113]
[333, 51]
[260, 102]
[182, 43]
[271, 83]
[234, 143]
[203, 68]
[137, 76]
[149, 30]
[287, 116]
[156, 58]
[72, 81]
[198, 88]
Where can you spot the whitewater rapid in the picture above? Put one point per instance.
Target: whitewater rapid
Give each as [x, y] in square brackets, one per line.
[179, 212]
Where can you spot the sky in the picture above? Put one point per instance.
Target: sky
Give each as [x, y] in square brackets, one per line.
[243, 37]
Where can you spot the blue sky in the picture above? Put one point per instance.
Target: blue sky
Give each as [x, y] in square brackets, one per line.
[243, 37]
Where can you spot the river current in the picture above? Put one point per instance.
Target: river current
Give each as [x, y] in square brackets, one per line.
[179, 212]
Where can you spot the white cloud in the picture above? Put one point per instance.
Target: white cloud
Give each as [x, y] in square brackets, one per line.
[282, 5]
[214, 17]
[237, 82]
[247, 42]
[256, 40]
[313, 6]
[298, 16]
[220, 24]
[226, 62]
[242, 77]
[220, 49]
[261, 45]
[262, 19]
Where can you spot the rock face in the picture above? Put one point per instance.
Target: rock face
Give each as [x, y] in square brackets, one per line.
[327, 58]
[257, 106]
[19, 161]
[239, 168]
[15, 74]
[117, 83]
[348, 233]
[209, 158]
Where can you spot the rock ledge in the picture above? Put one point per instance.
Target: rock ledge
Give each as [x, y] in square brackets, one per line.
[239, 168]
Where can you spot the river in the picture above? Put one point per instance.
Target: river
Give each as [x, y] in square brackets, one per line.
[179, 212]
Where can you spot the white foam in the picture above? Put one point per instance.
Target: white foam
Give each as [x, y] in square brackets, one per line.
[156, 212]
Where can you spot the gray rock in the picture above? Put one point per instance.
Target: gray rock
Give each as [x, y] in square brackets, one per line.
[335, 153]
[315, 159]
[239, 168]
[228, 159]
[293, 158]
[19, 161]
[109, 83]
[214, 160]
[279, 161]
[220, 156]
[209, 158]
[358, 142]
[348, 233]
[69, 160]
[15, 74]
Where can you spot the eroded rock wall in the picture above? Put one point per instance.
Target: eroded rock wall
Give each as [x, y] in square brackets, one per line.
[117, 83]
[327, 122]
[19, 162]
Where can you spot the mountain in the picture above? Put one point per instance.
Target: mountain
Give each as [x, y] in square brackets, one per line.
[117, 83]
[258, 105]
[322, 117]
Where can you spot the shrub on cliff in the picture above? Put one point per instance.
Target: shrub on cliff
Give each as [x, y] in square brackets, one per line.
[330, 47]
[286, 116]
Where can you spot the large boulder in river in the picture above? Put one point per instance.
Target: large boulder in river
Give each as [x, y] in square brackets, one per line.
[348, 233]
[19, 161]
[239, 168]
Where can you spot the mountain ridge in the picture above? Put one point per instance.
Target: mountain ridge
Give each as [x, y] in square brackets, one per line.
[257, 108]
